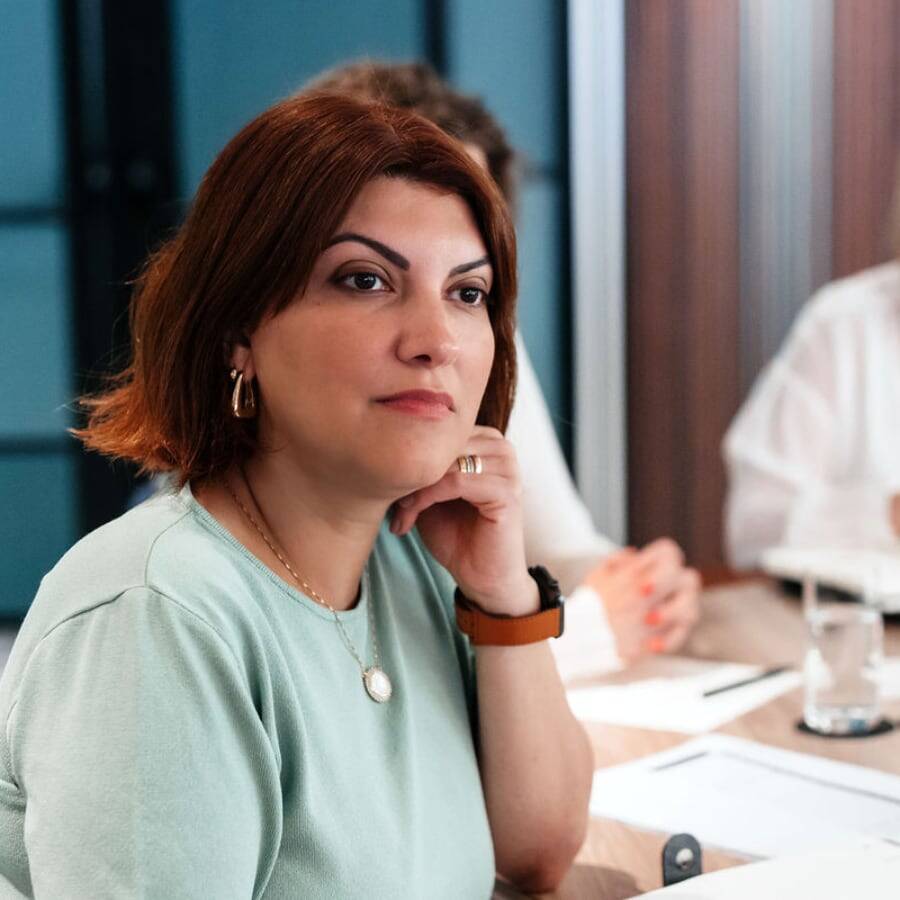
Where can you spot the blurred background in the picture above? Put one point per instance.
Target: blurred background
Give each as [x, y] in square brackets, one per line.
[691, 170]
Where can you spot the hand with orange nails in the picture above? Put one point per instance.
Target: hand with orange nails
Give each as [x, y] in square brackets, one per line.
[651, 598]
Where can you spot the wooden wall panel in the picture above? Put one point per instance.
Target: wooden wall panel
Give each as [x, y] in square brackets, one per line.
[683, 266]
[866, 129]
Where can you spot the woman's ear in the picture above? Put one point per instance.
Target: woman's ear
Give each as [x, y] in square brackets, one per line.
[241, 357]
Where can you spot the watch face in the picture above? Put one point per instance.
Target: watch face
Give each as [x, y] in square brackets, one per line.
[548, 586]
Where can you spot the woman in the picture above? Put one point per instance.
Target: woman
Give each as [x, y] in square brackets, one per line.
[812, 454]
[254, 687]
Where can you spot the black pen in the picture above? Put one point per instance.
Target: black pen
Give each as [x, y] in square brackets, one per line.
[754, 678]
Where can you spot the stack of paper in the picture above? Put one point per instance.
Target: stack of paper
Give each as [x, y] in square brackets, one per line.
[677, 703]
[868, 869]
[749, 798]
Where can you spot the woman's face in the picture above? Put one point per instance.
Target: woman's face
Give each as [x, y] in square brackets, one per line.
[372, 380]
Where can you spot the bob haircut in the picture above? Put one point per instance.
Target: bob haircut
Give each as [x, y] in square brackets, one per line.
[264, 212]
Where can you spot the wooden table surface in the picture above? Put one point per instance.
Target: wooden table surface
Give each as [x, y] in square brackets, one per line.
[748, 622]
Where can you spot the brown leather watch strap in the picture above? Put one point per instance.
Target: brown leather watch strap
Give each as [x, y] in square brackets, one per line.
[506, 631]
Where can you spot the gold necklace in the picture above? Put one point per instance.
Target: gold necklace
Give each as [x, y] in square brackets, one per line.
[377, 684]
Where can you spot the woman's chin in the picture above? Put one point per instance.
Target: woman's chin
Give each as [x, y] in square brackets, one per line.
[411, 475]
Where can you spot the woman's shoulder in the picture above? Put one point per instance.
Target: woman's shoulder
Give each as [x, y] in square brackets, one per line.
[841, 321]
[158, 548]
[857, 296]
[156, 572]
[111, 559]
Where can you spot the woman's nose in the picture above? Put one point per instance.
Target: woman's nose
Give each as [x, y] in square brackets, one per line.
[427, 336]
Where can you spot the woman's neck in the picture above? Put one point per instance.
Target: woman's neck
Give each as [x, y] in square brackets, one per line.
[324, 535]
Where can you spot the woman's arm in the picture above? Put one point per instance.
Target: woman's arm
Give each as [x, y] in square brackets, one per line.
[773, 504]
[536, 765]
[536, 761]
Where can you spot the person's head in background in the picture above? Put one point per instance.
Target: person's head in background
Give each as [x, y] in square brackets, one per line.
[415, 86]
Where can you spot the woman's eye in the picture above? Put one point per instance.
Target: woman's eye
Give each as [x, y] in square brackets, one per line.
[471, 296]
[363, 281]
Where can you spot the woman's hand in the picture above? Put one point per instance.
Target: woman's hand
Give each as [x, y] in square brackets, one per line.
[472, 525]
[651, 598]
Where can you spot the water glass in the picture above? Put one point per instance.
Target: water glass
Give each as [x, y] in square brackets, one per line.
[842, 668]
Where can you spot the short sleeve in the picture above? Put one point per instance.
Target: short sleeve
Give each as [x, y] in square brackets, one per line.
[145, 766]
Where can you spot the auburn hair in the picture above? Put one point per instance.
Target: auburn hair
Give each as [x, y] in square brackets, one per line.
[264, 212]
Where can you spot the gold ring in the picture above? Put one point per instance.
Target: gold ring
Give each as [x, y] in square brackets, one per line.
[469, 465]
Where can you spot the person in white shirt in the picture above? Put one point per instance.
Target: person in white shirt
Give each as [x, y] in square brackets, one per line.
[812, 456]
[623, 603]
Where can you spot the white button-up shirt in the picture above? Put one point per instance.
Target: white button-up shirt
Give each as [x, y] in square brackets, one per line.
[813, 456]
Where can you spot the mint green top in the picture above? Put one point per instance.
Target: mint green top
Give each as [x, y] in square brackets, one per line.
[180, 722]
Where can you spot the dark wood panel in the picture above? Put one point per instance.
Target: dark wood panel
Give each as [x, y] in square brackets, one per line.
[866, 129]
[683, 182]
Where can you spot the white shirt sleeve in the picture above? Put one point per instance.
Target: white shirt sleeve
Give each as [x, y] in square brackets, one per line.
[559, 531]
[797, 476]
[587, 647]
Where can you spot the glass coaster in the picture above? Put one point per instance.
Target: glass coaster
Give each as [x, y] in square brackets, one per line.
[882, 727]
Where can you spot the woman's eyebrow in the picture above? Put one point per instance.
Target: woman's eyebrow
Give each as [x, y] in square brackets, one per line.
[385, 251]
[467, 267]
[396, 258]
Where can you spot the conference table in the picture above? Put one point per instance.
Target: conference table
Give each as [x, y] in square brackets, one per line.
[751, 621]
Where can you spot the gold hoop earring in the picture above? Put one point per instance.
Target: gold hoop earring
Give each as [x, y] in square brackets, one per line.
[243, 397]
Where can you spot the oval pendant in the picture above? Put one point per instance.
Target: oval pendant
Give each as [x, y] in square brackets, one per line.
[378, 685]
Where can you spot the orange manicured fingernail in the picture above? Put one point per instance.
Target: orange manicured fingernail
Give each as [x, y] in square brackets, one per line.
[647, 589]
[656, 645]
[654, 617]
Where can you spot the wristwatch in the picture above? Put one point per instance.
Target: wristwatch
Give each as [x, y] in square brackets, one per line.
[509, 631]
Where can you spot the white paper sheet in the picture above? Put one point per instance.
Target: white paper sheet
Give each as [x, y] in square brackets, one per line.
[868, 869]
[749, 798]
[677, 703]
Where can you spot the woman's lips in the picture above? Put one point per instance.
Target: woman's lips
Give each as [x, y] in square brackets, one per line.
[426, 404]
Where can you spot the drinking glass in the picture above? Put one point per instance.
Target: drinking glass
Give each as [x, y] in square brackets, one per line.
[842, 668]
